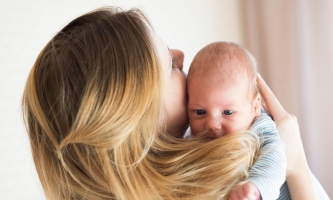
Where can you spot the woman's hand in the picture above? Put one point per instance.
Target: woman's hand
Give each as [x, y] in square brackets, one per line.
[298, 173]
[287, 127]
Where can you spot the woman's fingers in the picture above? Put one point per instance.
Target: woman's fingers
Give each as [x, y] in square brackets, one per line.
[272, 104]
[298, 173]
[287, 127]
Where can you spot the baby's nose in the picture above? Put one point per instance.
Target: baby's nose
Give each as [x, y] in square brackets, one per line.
[215, 128]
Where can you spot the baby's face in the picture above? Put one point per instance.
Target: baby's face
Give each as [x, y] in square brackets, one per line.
[215, 110]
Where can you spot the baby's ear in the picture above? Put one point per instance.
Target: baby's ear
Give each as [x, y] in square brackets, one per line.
[257, 104]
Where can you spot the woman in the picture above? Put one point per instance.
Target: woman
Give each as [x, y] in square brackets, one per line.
[100, 104]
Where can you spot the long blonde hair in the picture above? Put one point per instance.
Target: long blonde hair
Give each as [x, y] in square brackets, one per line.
[92, 106]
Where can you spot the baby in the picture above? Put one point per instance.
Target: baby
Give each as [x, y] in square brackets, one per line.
[223, 99]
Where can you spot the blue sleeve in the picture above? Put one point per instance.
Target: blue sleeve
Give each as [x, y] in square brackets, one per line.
[269, 171]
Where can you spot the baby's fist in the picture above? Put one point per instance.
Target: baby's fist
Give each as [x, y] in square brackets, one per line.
[245, 191]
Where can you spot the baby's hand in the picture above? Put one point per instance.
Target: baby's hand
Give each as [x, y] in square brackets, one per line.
[245, 191]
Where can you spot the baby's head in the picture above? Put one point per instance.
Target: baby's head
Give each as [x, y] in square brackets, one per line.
[222, 92]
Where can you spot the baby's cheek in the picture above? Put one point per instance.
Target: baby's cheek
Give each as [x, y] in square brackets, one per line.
[234, 127]
[195, 128]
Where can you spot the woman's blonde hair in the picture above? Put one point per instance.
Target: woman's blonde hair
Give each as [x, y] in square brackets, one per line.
[92, 106]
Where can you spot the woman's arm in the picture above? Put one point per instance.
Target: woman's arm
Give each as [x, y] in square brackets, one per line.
[298, 177]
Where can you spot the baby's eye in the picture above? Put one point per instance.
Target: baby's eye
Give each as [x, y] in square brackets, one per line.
[200, 112]
[228, 112]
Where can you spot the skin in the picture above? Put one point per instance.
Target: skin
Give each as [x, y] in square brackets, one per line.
[217, 109]
[247, 191]
[175, 112]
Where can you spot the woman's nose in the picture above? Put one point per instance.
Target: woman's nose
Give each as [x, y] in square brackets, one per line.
[178, 55]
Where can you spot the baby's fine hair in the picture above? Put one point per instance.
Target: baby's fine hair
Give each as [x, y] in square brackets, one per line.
[214, 55]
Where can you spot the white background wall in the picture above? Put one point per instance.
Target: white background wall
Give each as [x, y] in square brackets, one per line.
[27, 25]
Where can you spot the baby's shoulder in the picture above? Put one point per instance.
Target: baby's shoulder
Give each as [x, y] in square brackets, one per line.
[263, 123]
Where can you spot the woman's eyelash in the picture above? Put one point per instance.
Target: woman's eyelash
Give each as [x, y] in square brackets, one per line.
[174, 63]
[173, 60]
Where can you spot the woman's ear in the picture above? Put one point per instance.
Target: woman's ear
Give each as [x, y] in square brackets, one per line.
[257, 104]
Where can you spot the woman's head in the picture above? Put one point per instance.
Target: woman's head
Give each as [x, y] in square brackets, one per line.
[97, 84]
[95, 98]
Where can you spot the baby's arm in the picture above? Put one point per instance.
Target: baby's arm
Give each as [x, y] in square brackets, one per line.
[269, 172]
